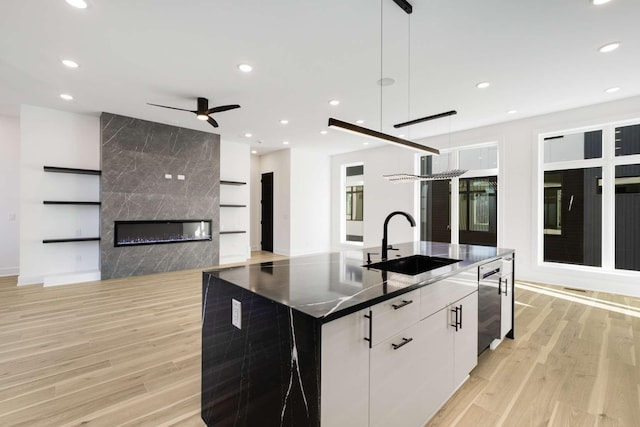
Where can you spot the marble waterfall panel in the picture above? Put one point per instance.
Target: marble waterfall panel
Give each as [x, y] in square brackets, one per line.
[136, 156]
[266, 370]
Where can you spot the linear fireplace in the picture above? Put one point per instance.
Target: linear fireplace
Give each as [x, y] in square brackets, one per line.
[133, 233]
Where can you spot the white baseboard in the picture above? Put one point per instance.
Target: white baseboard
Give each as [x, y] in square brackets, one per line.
[9, 271]
[29, 280]
[231, 259]
[69, 278]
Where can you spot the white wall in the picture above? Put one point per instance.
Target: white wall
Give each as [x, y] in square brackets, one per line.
[381, 197]
[235, 166]
[518, 206]
[9, 195]
[56, 138]
[279, 162]
[310, 202]
[255, 212]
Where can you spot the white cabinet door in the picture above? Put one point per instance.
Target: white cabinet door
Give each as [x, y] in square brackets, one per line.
[466, 337]
[344, 385]
[398, 374]
[506, 306]
[444, 292]
[438, 361]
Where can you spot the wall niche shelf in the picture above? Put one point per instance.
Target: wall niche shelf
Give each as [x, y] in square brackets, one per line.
[232, 183]
[75, 171]
[233, 232]
[76, 239]
[64, 202]
[72, 170]
[232, 206]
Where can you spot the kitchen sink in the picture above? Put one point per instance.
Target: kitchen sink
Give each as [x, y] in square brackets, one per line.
[412, 265]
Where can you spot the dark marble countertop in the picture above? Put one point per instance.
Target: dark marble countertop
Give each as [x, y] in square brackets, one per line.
[329, 286]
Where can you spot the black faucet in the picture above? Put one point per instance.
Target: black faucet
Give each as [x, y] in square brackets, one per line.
[384, 232]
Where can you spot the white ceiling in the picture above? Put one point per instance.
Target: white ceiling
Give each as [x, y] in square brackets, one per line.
[540, 56]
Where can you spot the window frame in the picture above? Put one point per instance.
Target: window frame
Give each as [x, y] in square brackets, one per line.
[608, 163]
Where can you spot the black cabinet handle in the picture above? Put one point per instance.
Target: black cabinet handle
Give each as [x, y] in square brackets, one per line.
[404, 302]
[506, 287]
[370, 339]
[405, 341]
[458, 322]
[455, 322]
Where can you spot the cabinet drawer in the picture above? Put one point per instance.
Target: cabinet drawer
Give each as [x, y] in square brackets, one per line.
[394, 315]
[440, 294]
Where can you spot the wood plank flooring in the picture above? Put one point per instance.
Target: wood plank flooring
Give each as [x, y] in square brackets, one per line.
[126, 352]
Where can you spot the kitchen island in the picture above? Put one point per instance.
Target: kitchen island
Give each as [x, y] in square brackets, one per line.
[332, 340]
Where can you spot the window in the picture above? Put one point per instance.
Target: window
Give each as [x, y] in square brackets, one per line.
[353, 180]
[473, 197]
[478, 210]
[592, 179]
[354, 202]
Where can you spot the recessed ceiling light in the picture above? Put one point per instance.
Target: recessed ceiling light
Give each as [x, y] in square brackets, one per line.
[80, 4]
[69, 63]
[245, 68]
[612, 89]
[248, 135]
[483, 85]
[401, 135]
[365, 143]
[254, 152]
[66, 96]
[285, 142]
[609, 47]
[599, 2]
[359, 122]
[284, 121]
[512, 111]
[323, 132]
[334, 102]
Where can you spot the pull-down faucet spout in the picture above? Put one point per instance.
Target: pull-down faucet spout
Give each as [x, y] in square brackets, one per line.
[384, 231]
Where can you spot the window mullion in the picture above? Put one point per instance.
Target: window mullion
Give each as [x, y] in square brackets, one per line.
[608, 198]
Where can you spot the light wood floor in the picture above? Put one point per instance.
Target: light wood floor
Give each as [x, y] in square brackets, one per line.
[126, 352]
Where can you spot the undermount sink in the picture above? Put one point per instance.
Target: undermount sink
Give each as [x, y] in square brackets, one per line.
[412, 265]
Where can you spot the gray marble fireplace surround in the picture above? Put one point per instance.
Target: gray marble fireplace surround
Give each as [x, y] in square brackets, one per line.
[136, 156]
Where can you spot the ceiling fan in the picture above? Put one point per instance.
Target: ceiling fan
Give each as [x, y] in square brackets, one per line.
[203, 112]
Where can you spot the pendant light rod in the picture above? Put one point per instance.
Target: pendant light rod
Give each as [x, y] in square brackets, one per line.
[424, 119]
[404, 5]
[359, 130]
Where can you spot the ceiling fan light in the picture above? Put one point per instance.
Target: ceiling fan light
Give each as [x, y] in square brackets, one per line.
[202, 117]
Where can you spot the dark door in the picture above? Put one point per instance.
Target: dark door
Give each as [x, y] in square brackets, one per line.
[267, 212]
[436, 211]
[479, 211]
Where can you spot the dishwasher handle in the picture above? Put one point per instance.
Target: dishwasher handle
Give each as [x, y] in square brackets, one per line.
[490, 273]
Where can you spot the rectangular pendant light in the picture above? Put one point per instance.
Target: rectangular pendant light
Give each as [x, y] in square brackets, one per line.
[359, 130]
[424, 119]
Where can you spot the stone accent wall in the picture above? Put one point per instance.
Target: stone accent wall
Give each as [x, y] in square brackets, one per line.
[136, 155]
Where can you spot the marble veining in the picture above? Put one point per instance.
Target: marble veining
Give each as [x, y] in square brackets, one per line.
[317, 285]
[136, 154]
[295, 369]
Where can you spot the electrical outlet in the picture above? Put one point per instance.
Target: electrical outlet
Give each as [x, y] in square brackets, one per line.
[168, 176]
[180, 177]
[236, 313]
[12, 216]
[78, 258]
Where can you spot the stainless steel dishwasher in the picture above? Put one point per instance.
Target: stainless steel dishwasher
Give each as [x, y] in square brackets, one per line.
[488, 303]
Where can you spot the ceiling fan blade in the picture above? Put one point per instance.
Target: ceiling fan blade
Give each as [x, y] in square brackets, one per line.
[212, 122]
[172, 108]
[222, 108]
